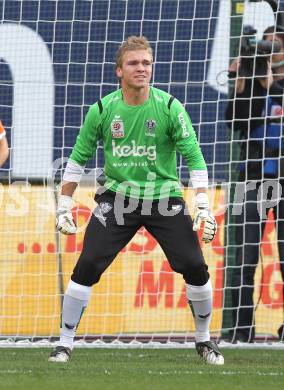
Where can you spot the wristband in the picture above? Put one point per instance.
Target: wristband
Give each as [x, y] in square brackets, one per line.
[65, 202]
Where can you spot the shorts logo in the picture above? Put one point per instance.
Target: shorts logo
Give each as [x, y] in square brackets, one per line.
[100, 210]
[117, 127]
[150, 125]
[105, 207]
[177, 208]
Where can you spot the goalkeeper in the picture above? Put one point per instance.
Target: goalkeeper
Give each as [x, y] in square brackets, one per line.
[4, 149]
[141, 128]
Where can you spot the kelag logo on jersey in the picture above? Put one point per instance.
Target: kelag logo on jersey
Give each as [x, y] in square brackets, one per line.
[117, 127]
[150, 125]
[134, 150]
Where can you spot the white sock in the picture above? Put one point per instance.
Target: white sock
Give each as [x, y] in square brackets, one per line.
[75, 301]
[200, 301]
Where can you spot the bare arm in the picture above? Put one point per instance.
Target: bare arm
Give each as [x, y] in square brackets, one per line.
[266, 82]
[240, 81]
[68, 188]
[4, 151]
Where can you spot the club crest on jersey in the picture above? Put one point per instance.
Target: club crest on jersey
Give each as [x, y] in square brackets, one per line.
[117, 127]
[150, 125]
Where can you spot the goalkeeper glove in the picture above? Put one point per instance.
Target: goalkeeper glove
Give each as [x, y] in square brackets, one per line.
[64, 219]
[202, 214]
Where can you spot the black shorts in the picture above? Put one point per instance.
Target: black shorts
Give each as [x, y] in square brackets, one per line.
[107, 234]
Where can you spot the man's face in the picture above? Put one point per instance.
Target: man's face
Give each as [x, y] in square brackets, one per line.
[136, 69]
[277, 57]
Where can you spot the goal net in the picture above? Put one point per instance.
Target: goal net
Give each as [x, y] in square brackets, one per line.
[57, 58]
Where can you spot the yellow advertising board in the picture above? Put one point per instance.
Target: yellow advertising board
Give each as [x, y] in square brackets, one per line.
[138, 294]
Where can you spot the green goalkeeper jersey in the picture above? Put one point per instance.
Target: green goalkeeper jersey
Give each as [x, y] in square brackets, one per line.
[140, 144]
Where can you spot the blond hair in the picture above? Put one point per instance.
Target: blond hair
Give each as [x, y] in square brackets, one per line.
[131, 44]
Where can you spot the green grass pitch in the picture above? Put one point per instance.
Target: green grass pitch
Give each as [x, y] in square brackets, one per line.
[127, 369]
